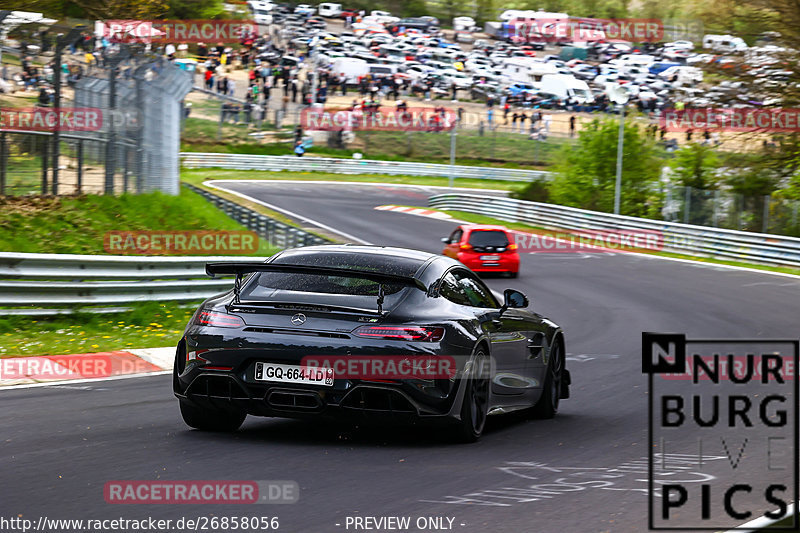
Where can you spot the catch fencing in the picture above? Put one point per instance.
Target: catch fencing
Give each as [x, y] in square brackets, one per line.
[678, 238]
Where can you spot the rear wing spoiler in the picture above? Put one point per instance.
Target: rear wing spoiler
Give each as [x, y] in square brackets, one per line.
[240, 269]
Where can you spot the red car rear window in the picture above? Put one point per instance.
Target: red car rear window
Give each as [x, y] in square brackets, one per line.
[488, 238]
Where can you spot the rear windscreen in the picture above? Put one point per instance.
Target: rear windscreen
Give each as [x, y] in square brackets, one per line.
[267, 282]
[331, 289]
[488, 238]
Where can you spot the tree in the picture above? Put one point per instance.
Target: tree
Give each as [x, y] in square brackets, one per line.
[413, 8]
[586, 176]
[695, 166]
[484, 11]
[195, 9]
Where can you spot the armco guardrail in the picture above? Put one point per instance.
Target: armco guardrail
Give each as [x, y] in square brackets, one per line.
[353, 166]
[276, 233]
[31, 281]
[35, 280]
[732, 245]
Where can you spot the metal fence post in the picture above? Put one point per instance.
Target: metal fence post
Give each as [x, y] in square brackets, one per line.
[127, 153]
[45, 163]
[716, 205]
[221, 119]
[687, 205]
[452, 156]
[3, 164]
[80, 166]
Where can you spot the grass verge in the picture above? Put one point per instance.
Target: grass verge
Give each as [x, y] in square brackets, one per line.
[147, 325]
[494, 149]
[29, 224]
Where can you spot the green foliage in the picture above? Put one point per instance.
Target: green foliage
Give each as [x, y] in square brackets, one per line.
[81, 223]
[586, 175]
[484, 11]
[446, 10]
[535, 191]
[583, 8]
[694, 166]
[195, 9]
[413, 8]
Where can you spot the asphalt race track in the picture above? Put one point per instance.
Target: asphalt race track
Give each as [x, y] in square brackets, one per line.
[61, 444]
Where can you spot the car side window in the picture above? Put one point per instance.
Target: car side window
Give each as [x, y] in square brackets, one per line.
[477, 294]
[455, 237]
[451, 290]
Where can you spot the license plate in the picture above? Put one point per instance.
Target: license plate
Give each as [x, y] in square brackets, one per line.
[490, 258]
[294, 374]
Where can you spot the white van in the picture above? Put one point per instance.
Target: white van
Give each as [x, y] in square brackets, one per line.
[352, 67]
[329, 10]
[463, 23]
[724, 43]
[630, 60]
[524, 69]
[682, 74]
[566, 87]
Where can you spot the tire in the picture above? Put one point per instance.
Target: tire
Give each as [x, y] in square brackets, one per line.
[475, 405]
[513, 274]
[547, 406]
[211, 419]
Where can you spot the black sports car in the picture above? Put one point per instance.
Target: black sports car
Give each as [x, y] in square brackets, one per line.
[367, 333]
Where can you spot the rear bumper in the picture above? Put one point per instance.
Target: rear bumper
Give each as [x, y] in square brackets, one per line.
[366, 401]
[506, 263]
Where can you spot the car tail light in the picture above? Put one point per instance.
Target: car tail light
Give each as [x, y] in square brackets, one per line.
[401, 333]
[218, 320]
[466, 247]
[512, 247]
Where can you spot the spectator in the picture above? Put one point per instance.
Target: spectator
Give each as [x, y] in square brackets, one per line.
[299, 150]
[572, 126]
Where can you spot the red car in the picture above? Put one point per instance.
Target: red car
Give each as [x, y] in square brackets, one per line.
[484, 248]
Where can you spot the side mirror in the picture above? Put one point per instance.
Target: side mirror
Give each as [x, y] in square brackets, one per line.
[513, 299]
[446, 240]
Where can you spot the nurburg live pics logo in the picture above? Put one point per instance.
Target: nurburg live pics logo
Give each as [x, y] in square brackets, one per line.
[733, 405]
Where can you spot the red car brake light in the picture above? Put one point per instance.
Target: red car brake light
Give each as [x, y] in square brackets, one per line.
[401, 333]
[466, 247]
[512, 247]
[218, 320]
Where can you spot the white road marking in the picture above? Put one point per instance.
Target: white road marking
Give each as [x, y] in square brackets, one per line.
[161, 357]
[90, 380]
